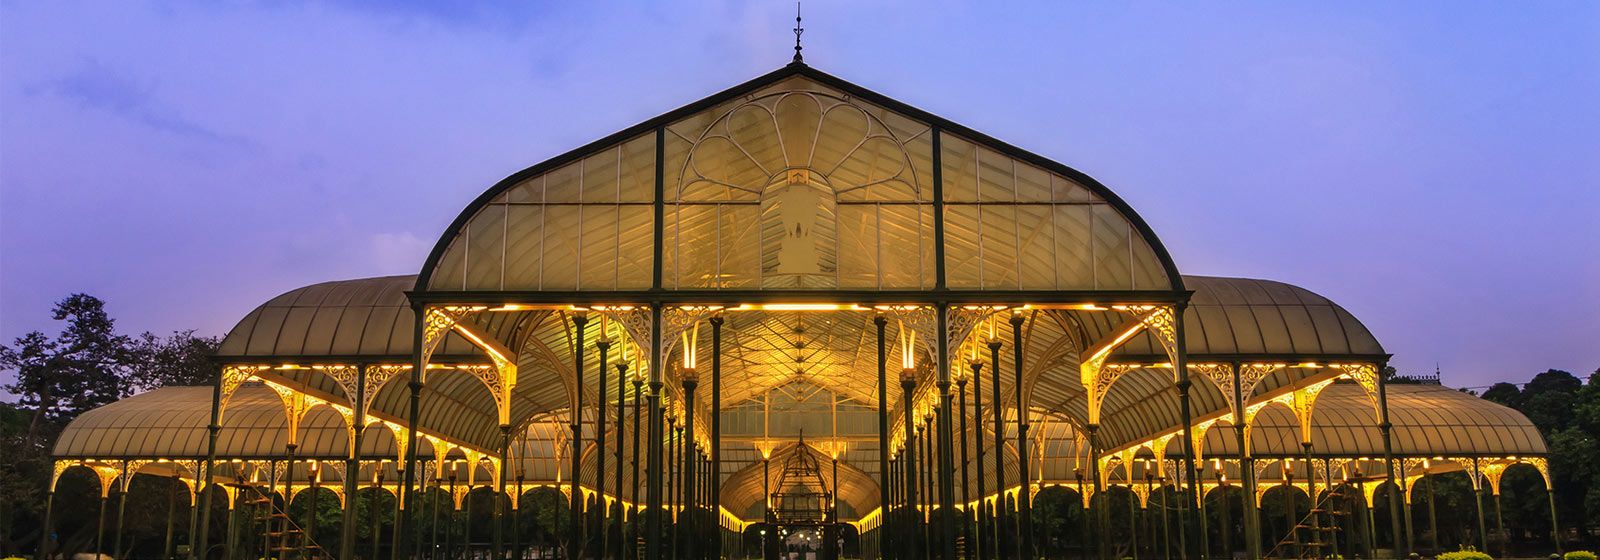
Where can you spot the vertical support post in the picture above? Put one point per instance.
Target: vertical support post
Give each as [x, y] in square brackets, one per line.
[1180, 368]
[981, 534]
[714, 476]
[1099, 495]
[501, 500]
[1000, 525]
[687, 514]
[908, 386]
[1247, 471]
[638, 524]
[966, 492]
[878, 322]
[1499, 527]
[622, 508]
[347, 525]
[603, 346]
[1384, 428]
[1024, 494]
[1477, 496]
[123, 484]
[212, 430]
[1227, 516]
[653, 464]
[166, 544]
[575, 527]
[1433, 514]
[946, 428]
[419, 366]
[1555, 528]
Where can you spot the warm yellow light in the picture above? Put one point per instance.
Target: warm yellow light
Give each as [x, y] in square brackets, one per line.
[691, 343]
[908, 342]
[799, 307]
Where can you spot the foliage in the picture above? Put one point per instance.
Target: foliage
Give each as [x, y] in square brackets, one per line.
[85, 365]
[180, 358]
[1579, 555]
[1466, 553]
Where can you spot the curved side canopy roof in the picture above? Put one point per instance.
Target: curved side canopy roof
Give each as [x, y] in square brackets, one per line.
[169, 423]
[796, 180]
[1229, 320]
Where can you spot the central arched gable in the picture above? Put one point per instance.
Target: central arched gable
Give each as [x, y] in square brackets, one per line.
[890, 198]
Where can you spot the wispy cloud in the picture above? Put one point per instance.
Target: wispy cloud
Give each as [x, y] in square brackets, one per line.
[93, 84]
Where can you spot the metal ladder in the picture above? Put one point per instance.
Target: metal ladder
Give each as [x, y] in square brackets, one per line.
[1316, 534]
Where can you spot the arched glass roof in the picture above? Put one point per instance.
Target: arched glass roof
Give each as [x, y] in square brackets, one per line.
[713, 195]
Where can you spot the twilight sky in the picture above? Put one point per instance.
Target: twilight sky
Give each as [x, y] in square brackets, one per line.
[1432, 167]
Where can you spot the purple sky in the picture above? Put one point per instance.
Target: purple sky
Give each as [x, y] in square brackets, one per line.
[1432, 167]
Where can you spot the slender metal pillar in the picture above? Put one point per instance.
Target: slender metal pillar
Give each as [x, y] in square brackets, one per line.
[1500, 527]
[123, 484]
[575, 527]
[1181, 370]
[1433, 514]
[1247, 471]
[1226, 518]
[166, 544]
[946, 432]
[419, 365]
[1098, 497]
[637, 533]
[966, 492]
[687, 515]
[1477, 496]
[1025, 494]
[603, 347]
[884, 484]
[1388, 461]
[714, 474]
[212, 430]
[908, 384]
[499, 499]
[372, 506]
[653, 464]
[1555, 527]
[622, 508]
[352, 467]
[1000, 525]
[981, 534]
[674, 483]
[100, 524]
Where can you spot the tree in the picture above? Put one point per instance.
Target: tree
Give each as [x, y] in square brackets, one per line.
[82, 368]
[177, 359]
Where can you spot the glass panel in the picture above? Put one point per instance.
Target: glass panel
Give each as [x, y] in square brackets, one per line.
[1148, 272]
[637, 182]
[959, 159]
[799, 119]
[999, 246]
[524, 246]
[996, 181]
[843, 129]
[859, 247]
[1073, 255]
[961, 246]
[1033, 183]
[447, 275]
[597, 270]
[1038, 264]
[740, 242]
[901, 249]
[563, 184]
[1110, 250]
[600, 176]
[485, 248]
[635, 255]
[561, 245]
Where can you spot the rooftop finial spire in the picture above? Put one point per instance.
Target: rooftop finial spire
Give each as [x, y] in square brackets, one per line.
[797, 31]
